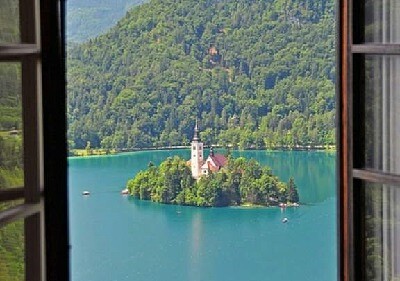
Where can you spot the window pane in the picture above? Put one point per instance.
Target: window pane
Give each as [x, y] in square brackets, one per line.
[11, 160]
[382, 21]
[382, 113]
[9, 21]
[382, 232]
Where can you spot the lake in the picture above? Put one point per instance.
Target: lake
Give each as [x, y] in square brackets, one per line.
[114, 237]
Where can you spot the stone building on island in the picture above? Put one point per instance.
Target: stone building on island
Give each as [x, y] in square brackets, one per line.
[199, 166]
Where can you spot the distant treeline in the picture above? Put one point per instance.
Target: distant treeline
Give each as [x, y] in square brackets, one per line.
[256, 74]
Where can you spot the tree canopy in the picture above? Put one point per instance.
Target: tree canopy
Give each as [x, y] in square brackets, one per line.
[256, 73]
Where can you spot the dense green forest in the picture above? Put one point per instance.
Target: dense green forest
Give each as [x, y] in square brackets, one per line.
[10, 98]
[89, 18]
[11, 236]
[12, 251]
[241, 182]
[256, 74]
[10, 73]
[11, 166]
[10, 101]
[11, 162]
[9, 21]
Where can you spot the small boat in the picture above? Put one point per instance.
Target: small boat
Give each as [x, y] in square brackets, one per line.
[285, 220]
[125, 191]
[296, 204]
[85, 193]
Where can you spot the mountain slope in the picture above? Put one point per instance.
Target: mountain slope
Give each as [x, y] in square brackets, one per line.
[256, 73]
[88, 18]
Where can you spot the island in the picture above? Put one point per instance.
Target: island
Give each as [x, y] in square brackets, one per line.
[240, 183]
[216, 181]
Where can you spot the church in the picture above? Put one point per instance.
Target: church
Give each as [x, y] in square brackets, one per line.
[199, 166]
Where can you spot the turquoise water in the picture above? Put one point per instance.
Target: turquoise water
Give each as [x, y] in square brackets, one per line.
[118, 238]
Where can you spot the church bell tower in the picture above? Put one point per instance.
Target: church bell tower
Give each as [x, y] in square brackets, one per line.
[196, 153]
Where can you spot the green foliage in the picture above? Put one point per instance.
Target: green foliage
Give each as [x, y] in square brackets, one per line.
[293, 195]
[12, 251]
[9, 21]
[162, 184]
[240, 182]
[11, 162]
[11, 173]
[10, 98]
[257, 73]
[11, 236]
[10, 73]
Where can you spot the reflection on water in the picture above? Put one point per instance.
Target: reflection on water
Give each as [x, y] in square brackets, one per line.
[194, 272]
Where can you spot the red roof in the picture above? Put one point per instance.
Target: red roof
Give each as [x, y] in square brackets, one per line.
[219, 160]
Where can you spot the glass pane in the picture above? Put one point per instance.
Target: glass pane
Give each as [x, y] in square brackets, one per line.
[9, 21]
[382, 232]
[382, 21]
[382, 113]
[12, 252]
[11, 160]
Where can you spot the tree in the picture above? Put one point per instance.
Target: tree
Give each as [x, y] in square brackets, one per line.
[293, 195]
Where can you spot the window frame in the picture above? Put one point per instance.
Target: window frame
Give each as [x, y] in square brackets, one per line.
[351, 137]
[42, 57]
[51, 147]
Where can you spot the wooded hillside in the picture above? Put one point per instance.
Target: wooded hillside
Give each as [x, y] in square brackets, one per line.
[256, 73]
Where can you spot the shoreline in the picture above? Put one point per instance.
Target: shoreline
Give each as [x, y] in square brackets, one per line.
[103, 152]
[246, 206]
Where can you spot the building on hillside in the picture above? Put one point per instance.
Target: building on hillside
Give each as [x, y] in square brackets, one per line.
[199, 166]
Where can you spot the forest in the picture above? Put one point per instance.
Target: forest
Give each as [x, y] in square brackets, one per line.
[241, 182]
[10, 72]
[11, 161]
[10, 98]
[12, 235]
[89, 18]
[257, 74]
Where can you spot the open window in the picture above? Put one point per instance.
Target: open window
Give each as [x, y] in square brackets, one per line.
[368, 122]
[370, 147]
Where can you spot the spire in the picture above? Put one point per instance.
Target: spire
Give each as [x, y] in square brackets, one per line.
[211, 151]
[196, 132]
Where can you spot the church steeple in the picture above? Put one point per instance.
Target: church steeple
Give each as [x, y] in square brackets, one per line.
[196, 132]
[197, 153]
